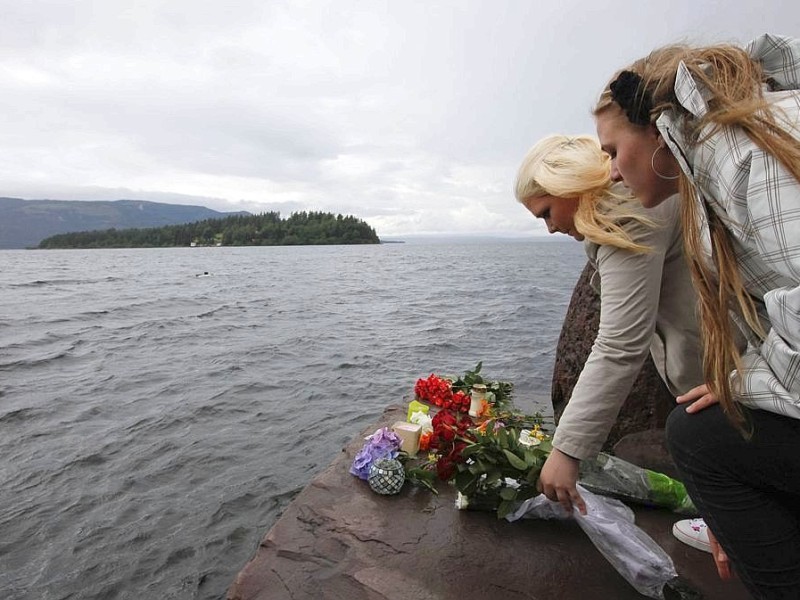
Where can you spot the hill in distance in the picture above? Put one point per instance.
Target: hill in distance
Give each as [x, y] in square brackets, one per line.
[24, 223]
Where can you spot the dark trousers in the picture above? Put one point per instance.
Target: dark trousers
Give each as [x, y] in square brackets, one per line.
[747, 490]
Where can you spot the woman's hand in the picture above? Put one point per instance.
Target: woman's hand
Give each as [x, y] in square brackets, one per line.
[697, 398]
[558, 478]
[720, 558]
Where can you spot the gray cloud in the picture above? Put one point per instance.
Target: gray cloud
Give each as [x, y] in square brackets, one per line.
[413, 116]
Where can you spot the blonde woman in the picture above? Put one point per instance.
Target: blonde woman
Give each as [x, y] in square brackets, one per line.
[647, 303]
[721, 124]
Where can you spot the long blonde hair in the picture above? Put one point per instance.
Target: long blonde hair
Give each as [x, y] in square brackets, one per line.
[733, 84]
[576, 167]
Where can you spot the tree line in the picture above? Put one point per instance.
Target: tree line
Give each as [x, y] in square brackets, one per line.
[265, 229]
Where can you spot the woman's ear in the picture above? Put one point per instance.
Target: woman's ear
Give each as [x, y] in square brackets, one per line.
[659, 139]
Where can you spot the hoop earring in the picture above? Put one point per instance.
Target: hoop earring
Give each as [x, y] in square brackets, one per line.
[653, 166]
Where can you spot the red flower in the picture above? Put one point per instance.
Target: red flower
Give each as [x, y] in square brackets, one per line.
[447, 428]
[443, 419]
[445, 468]
[446, 465]
[461, 401]
[464, 423]
[458, 448]
[434, 390]
[450, 424]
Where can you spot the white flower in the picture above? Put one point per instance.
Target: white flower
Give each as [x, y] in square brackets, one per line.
[528, 438]
[462, 502]
[422, 419]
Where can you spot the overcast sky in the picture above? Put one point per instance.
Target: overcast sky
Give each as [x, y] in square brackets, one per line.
[412, 115]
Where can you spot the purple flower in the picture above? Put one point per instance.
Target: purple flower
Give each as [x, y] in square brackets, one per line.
[381, 444]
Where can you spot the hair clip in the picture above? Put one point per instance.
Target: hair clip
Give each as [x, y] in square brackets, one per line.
[629, 92]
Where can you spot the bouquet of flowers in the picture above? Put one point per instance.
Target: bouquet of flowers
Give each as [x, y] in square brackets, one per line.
[475, 453]
[494, 459]
[494, 456]
[500, 468]
[454, 393]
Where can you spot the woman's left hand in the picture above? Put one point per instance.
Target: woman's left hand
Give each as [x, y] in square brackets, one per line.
[697, 398]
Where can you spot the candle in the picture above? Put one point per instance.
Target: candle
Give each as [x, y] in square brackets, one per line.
[478, 395]
[409, 435]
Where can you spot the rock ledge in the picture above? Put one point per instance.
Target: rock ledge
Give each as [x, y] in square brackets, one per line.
[339, 540]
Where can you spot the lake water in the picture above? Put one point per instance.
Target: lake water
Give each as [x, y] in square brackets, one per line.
[160, 407]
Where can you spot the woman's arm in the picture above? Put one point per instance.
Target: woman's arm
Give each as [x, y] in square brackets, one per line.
[630, 288]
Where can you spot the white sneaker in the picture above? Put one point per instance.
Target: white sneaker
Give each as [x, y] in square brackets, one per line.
[693, 532]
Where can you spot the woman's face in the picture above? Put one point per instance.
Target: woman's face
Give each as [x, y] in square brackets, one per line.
[558, 213]
[632, 148]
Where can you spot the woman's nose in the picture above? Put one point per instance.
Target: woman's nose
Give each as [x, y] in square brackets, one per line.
[615, 174]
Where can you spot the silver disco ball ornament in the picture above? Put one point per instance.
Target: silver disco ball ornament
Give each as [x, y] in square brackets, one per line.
[386, 476]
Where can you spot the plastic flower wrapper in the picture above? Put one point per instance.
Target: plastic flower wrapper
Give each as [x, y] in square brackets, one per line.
[415, 406]
[611, 476]
[425, 421]
[384, 443]
[422, 419]
[425, 440]
[611, 528]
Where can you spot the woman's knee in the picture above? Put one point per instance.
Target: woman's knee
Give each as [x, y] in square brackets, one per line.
[681, 427]
[686, 432]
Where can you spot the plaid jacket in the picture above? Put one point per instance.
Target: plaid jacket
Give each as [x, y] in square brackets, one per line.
[760, 203]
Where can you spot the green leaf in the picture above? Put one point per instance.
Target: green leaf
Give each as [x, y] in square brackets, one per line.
[493, 475]
[466, 483]
[530, 457]
[470, 450]
[508, 493]
[533, 475]
[505, 508]
[503, 438]
[477, 468]
[422, 478]
[515, 461]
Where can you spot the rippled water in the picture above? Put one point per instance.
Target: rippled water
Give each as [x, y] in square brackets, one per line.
[159, 408]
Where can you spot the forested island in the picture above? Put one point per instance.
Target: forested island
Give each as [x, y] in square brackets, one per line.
[266, 229]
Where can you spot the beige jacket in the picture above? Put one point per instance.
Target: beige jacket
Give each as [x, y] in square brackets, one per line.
[647, 303]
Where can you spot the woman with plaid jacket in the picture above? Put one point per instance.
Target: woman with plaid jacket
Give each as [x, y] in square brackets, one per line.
[721, 125]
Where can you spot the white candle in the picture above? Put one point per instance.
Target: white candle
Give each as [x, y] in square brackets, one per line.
[409, 434]
[478, 395]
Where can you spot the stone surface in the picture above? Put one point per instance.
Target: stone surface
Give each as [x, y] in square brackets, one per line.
[339, 540]
[649, 401]
[647, 449]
